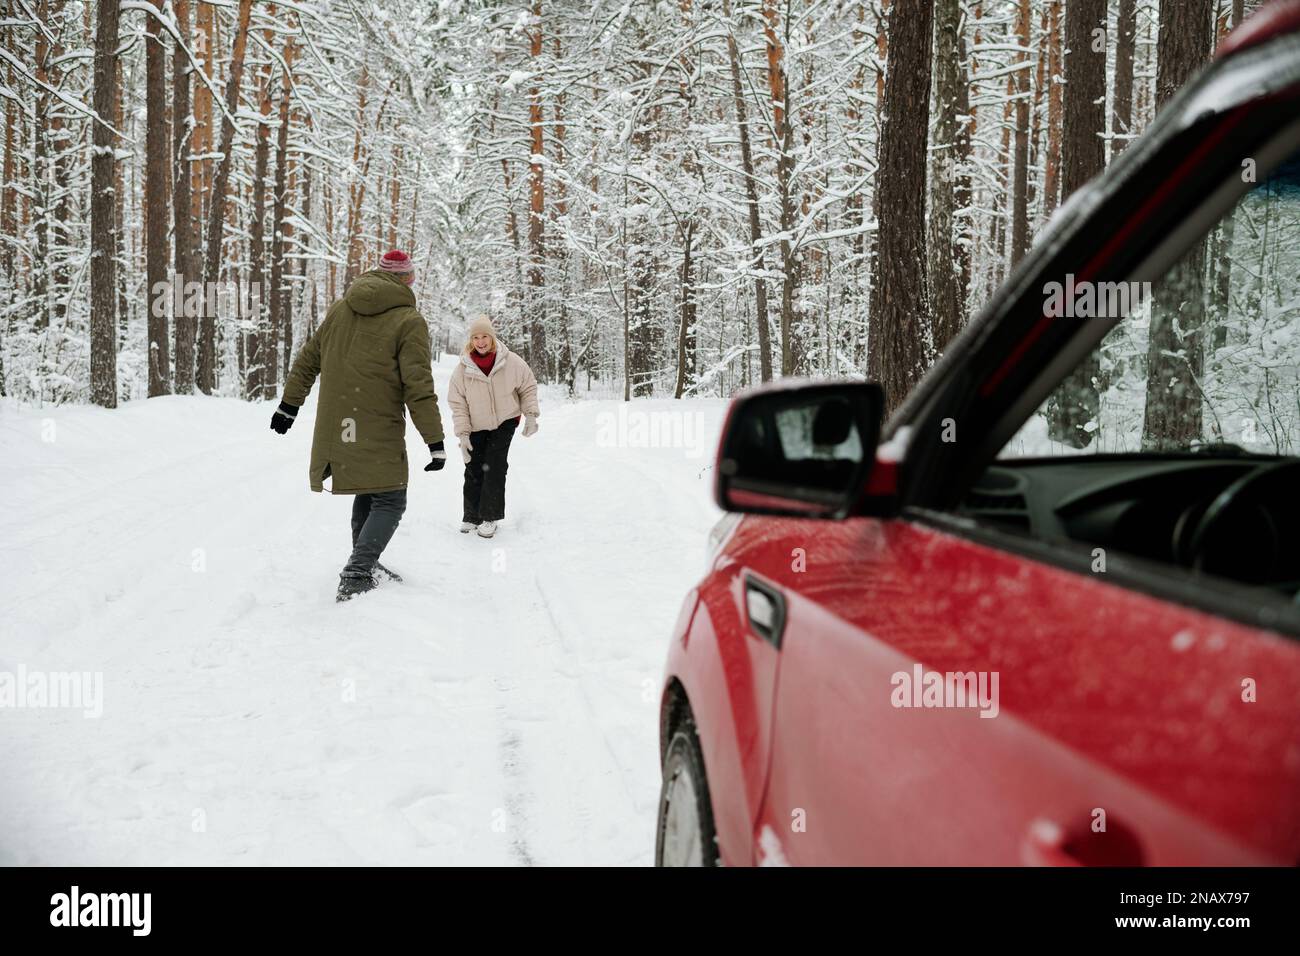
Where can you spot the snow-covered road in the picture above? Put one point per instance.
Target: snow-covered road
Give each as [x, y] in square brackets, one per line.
[497, 708]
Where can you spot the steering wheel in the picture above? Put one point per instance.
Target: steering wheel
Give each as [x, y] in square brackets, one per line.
[1233, 504]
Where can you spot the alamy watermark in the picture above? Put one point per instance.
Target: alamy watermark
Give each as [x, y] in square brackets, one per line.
[129, 910]
[1093, 300]
[195, 299]
[955, 689]
[636, 428]
[80, 690]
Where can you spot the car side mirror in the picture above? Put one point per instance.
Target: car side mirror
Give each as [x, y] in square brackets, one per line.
[799, 449]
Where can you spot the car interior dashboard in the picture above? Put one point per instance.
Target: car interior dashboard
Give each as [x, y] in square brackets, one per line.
[1234, 515]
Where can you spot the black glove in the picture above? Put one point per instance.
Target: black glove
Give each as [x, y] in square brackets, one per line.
[439, 457]
[283, 418]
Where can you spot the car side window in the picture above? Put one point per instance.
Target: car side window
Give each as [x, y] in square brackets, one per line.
[1207, 355]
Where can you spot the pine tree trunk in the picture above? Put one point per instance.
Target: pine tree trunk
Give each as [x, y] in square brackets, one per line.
[308, 277]
[201, 170]
[963, 218]
[1125, 44]
[9, 194]
[1176, 349]
[1055, 106]
[751, 200]
[1227, 233]
[124, 266]
[778, 87]
[40, 188]
[686, 327]
[946, 298]
[536, 213]
[60, 145]
[158, 164]
[281, 301]
[1076, 402]
[998, 236]
[357, 187]
[207, 374]
[103, 217]
[182, 208]
[515, 293]
[559, 207]
[1020, 171]
[900, 334]
[856, 209]
[261, 341]
[327, 200]
[394, 195]
[1036, 111]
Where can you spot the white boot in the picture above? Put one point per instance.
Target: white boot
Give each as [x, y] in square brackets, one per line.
[467, 526]
[487, 529]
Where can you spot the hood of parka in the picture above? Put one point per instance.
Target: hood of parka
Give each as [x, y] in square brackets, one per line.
[374, 292]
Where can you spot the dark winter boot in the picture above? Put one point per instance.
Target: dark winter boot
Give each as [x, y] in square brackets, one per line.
[387, 574]
[351, 585]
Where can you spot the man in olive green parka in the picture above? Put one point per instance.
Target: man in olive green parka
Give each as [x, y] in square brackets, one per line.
[373, 357]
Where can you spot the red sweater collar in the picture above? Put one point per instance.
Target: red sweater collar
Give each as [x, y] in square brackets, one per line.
[484, 362]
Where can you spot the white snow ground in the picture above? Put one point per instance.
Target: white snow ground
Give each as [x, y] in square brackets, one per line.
[497, 708]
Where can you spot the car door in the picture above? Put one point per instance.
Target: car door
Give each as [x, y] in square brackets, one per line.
[949, 694]
[1106, 726]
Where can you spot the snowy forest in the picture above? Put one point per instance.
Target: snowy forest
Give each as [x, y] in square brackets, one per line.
[676, 198]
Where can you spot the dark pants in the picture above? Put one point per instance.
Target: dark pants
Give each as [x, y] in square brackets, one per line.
[374, 519]
[485, 475]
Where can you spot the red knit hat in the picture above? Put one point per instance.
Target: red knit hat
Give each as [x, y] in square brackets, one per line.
[396, 261]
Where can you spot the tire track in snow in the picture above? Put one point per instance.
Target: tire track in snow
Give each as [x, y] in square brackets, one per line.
[515, 796]
[594, 720]
[558, 757]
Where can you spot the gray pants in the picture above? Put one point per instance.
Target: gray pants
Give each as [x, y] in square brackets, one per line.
[374, 519]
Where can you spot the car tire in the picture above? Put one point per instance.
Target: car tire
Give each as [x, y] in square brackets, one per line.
[685, 835]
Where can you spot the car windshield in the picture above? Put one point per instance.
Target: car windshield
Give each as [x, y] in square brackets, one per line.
[1206, 357]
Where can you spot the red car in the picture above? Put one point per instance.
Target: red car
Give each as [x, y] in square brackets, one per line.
[1047, 613]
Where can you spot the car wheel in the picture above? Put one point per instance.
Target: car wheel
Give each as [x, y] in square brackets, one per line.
[685, 834]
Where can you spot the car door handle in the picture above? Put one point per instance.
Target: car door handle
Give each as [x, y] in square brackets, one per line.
[765, 607]
[1048, 843]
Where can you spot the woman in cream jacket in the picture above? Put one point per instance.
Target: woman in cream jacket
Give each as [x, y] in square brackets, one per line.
[490, 389]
